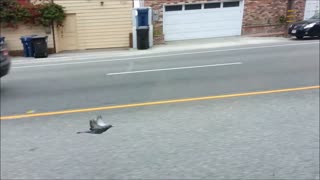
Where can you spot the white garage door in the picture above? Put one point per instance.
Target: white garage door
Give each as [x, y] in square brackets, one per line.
[312, 6]
[193, 21]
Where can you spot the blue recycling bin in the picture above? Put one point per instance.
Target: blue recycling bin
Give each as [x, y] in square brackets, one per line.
[143, 17]
[27, 45]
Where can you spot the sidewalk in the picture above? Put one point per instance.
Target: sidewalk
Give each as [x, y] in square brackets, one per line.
[174, 46]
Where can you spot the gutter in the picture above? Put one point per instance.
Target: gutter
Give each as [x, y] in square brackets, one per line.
[53, 35]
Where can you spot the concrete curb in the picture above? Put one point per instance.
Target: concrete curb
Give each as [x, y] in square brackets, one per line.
[178, 46]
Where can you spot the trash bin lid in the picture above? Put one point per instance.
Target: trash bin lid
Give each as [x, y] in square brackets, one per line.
[143, 10]
[39, 37]
[27, 37]
[143, 27]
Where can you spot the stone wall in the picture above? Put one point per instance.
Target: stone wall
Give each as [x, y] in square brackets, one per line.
[298, 6]
[263, 16]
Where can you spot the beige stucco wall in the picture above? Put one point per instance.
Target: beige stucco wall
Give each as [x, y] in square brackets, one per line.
[13, 35]
[99, 26]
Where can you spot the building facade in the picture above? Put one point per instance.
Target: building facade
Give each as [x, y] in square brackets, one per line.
[89, 24]
[94, 24]
[192, 19]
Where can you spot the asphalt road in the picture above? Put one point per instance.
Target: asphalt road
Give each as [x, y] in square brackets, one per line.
[57, 86]
[271, 136]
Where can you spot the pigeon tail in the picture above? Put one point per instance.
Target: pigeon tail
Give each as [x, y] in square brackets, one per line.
[80, 132]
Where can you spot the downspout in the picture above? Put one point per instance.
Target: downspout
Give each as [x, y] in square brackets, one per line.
[289, 7]
[53, 35]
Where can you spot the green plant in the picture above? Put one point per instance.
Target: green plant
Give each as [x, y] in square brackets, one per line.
[282, 19]
[11, 13]
[157, 31]
[50, 13]
[34, 14]
[45, 13]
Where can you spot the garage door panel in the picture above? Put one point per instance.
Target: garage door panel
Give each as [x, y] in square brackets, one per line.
[204, 19]
[172, 19]
[204, 11]
[200, 20]
[204, 34]
[204, 23]
[211, 23]
[216, 30]
[204, 27]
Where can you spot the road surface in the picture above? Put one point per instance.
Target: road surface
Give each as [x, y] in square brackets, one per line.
[266, 134]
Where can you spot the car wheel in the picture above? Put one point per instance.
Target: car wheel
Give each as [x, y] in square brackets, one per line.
[299, 37]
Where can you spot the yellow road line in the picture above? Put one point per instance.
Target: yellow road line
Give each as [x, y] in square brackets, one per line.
[155, 103]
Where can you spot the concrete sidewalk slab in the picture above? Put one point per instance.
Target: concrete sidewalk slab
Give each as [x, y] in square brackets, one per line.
[174, 46]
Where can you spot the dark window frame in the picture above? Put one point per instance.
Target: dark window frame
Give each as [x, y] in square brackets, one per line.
[189, 7]
[167, 8]
[231, 4]
[207, 5]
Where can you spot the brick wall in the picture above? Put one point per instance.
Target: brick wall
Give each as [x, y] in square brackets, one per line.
[263, 16]
[299, 6]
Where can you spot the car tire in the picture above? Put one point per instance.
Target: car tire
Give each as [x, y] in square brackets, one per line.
[299, 37]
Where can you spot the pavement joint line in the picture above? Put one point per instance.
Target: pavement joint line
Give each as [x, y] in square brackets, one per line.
[175, 68]
[10, 117]
[102, 59]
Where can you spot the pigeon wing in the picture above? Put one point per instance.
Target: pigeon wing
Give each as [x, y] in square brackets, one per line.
[93, 124]
[101, 123]
[99, 117]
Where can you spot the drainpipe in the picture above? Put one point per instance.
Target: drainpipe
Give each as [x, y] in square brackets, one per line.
[290, 4]
[289, 7]
[53, 35]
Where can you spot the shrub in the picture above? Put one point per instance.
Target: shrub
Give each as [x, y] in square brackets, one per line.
[45, 13]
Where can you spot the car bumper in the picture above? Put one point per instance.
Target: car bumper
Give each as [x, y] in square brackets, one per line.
[299, 32]
[5, 68]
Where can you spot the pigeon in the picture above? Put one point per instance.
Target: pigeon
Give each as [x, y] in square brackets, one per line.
[97, 126]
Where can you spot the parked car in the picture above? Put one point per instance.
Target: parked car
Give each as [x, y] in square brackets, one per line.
[5, 61]
[310, 27]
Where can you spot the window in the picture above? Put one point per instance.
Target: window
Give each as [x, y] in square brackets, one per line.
[174, 8]
[231, 4]
[212, 5]
[192, 6]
